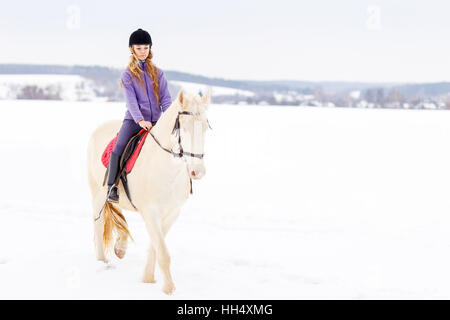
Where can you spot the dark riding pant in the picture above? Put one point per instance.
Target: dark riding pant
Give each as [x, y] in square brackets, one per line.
[129, 128]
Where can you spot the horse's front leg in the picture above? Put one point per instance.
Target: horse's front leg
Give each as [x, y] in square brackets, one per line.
[167, 221]
[149, 271]
[161, 254]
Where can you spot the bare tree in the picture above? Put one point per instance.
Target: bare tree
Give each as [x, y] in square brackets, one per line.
[34, 92]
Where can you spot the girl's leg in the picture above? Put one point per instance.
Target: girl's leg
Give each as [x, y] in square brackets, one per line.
[129, 128]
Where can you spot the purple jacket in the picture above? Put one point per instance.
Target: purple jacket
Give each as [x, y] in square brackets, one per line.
[141, 101]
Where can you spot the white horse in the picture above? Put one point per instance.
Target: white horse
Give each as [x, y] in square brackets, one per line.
[159, 182]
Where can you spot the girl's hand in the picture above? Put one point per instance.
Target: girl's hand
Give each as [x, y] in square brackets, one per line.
[145, 124]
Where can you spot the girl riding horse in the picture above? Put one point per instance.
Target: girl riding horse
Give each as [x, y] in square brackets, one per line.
[147, 97]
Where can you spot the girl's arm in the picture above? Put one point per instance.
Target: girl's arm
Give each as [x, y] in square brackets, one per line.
[164, 95]
[130, 96]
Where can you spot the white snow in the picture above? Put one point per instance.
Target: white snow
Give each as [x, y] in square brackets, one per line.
[72, 87]
[216, 90]
[77, 88]
[297, 203]
[356, 94]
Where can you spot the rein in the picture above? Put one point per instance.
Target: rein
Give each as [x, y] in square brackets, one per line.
[176, 130]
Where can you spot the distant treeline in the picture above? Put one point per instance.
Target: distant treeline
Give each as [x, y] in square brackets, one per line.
[106, 82]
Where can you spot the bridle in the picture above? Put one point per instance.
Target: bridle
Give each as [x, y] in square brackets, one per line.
[176, 130]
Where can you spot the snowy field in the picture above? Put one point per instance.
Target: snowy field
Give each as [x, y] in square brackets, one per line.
[215, 90]
[70, 86]
[76, 88]
[297, 203]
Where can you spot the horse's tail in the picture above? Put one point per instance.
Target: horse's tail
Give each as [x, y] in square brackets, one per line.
[114, 223]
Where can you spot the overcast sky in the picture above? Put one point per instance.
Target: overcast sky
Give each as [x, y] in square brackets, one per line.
[353, 40]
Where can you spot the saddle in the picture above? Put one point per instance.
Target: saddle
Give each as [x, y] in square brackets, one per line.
[130, 153]
[127, 160]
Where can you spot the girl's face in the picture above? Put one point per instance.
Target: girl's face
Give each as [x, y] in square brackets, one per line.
[141, 50]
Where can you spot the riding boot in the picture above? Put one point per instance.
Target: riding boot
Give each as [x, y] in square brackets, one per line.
[113, 169]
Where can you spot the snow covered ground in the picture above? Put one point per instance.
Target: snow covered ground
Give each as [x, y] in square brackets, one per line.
[77, 88]
[215, 90]
[297, 203]
[70, 86]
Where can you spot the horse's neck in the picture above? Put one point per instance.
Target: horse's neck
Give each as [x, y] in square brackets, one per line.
[162, 130]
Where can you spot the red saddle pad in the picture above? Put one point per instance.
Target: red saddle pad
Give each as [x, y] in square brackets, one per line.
[130, 163]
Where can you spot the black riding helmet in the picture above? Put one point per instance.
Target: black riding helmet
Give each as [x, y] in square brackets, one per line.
[140, 37]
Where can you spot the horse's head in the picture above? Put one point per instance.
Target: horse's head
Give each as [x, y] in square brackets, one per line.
[189, 129]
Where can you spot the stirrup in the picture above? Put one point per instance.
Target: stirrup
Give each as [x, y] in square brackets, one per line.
[112, 196]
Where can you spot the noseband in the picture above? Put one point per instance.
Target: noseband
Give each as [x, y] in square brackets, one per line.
[176, 130]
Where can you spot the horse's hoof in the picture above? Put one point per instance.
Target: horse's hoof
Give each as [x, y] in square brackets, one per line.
[148, 279]
[102, 259]
[119, 253]
[168, 289]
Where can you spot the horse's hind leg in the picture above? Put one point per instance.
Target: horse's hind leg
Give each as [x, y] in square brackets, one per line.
[99, 225]
[167, 221]
[158, 251]
[121, 245]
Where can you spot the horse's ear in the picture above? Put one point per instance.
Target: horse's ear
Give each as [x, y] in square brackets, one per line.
[206, 98]
[183, 100]
[180, 97]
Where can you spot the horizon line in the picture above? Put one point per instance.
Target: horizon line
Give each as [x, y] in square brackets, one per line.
[245, 80]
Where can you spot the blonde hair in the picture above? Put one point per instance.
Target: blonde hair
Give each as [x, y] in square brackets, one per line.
[151, 69]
